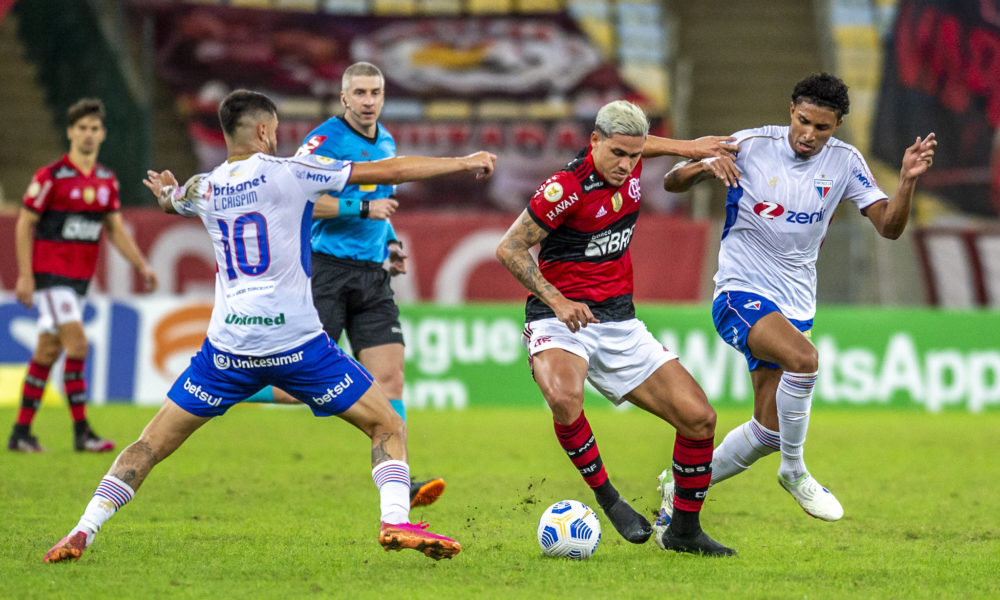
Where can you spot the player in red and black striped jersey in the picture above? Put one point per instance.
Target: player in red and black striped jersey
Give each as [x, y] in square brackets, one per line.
[581, 325]
[57, 235]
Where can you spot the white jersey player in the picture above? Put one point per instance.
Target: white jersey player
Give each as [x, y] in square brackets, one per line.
[790, 180]
[264, 328]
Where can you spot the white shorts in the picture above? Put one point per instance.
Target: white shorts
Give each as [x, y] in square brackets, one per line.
[620, 355]
[57, 306]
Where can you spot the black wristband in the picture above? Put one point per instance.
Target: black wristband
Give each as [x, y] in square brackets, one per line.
[365, 206]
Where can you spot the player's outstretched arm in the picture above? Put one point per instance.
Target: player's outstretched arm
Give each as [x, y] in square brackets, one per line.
[686, 174]
[328, 207]
[514, 254]
[890, 218]
[401, 169]
[708, 146]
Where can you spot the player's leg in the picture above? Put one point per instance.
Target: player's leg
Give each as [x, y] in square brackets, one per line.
[45, 355]
[776, 340]
[164, 434]
[734, 314]
[371, 319]
[560, 375]
[331, 383]
[673, 395]
[385, 363]
[74, 341]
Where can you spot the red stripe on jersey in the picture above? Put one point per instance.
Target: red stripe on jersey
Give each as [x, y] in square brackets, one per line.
[73, 260]
[596, 281]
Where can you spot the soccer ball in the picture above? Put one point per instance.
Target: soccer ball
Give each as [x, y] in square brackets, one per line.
[569, 529]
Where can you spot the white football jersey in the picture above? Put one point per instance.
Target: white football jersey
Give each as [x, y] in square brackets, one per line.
[258, 212]
[778, 216]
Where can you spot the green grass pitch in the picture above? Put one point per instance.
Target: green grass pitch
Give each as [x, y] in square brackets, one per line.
[271, 503]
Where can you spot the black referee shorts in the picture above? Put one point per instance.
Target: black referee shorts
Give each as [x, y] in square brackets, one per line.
[355, 296]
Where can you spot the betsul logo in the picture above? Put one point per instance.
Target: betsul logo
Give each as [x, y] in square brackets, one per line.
[221, 362]
[768, 210]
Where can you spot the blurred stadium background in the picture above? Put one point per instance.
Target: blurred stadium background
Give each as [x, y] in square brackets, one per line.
[907, 323]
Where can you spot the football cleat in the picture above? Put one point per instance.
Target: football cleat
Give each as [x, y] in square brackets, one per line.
[666, 489]
[24, 442]
[423, 493]
[88, 441]
[631, 525]
[699, 543]
[69, 548]
[815, 499]
[414, 536]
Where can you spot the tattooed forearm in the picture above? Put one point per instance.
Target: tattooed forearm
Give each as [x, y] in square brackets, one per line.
[513, 254]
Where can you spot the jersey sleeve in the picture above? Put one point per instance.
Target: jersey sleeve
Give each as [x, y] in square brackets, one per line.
[318, 174]
[114, 202]
[37, 195]
[861, 189]
[187, 199]
[555, 200]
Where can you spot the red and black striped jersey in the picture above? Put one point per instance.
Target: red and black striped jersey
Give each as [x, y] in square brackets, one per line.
[590, 224]
[71, 206]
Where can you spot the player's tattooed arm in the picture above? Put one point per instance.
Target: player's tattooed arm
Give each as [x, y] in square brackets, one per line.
[513, 253]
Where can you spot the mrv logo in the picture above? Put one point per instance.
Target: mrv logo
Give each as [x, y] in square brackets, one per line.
[232, 319]
[332, 394]
[609, 243]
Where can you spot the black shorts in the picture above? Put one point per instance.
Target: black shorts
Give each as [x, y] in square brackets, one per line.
[355, 296]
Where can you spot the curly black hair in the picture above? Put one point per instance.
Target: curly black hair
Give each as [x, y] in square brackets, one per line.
[823, 89]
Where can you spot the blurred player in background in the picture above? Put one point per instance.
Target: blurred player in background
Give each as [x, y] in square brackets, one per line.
[352, 240]
[581, 325]
[264, 328]
[791, 180]
[57, 237]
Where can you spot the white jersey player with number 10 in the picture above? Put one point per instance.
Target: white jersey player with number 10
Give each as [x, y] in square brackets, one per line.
[258, 212]
[264, 329]
[784, 186]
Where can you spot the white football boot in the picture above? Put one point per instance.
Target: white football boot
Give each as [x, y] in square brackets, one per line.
[815, 499]
[665, 486]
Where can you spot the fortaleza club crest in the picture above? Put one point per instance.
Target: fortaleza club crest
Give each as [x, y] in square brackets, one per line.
[823, 187]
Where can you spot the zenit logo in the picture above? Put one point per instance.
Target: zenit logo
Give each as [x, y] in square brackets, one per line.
[768, 210]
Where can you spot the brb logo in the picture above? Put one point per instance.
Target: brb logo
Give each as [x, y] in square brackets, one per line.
[609, 243]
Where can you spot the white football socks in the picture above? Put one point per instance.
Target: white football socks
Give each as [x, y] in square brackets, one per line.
[111, 494]
[742, 447]
[392, 478]
[794, 399]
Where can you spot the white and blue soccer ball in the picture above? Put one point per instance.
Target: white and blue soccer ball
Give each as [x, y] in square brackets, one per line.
[569, 529]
